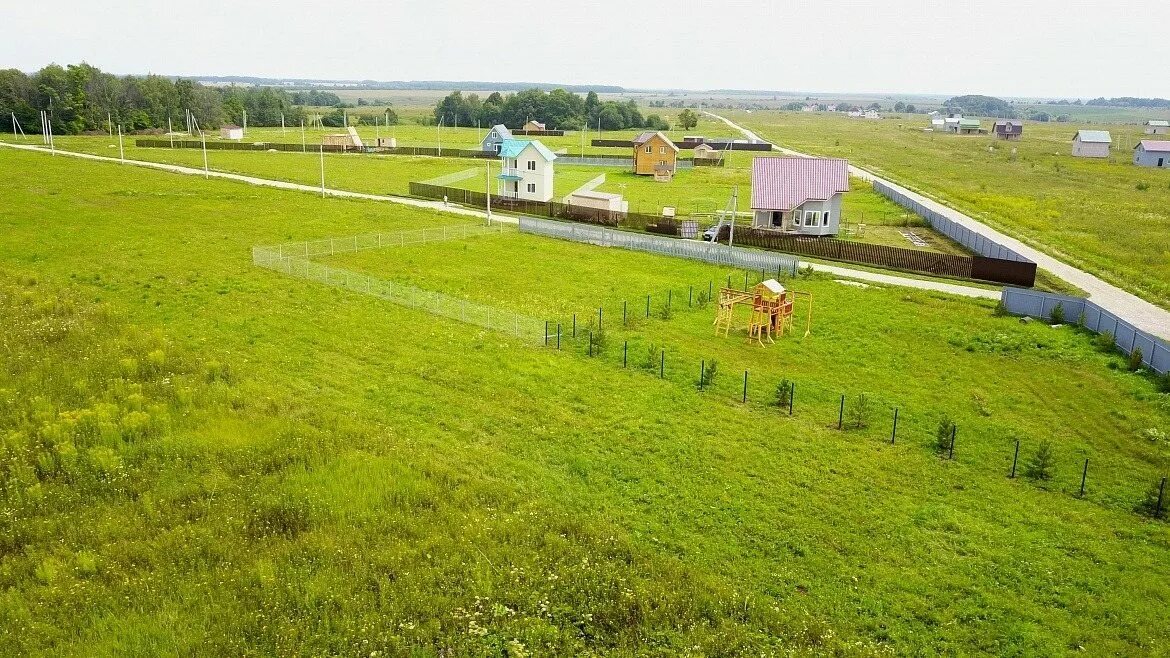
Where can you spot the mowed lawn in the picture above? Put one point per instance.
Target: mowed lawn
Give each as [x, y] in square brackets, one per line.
[1107, 216]
[203, 457]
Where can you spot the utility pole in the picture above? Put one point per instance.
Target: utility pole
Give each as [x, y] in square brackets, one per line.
[734, 212]
[303, 148]
[170, 133]
[121, 150]
[487, 183]
[110, 123]
[322, 149]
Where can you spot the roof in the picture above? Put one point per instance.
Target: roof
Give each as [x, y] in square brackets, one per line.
[1160, 123]
[1008, 126]
[230, 126]
[649, 134]
[501, 130]
[785, 183]
[594, 194]
[773, 286]
[1094, 136]
[1155, 145]
[969, 123]
[536, 123]
[511, 148]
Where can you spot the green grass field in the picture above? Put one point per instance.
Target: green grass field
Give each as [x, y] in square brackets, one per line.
[1106, 216]
[202, 457]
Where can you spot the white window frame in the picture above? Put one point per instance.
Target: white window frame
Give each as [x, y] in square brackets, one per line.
[810, 218]
[796, 218]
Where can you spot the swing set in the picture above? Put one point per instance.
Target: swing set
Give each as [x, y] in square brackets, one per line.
[772, 311]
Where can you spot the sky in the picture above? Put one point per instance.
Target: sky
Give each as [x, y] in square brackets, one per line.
[1028, 48]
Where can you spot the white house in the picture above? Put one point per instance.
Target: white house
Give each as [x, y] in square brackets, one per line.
[598, 200]
[527, 170]
[1157, 127]
[799, 195]
[1091, 144]
[231, 131]
[494, 137]
[1152, 153]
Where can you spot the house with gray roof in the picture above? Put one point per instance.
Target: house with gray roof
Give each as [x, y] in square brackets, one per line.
[1092, 144]
[1157, 127]
[799, 195]
[494, 138]
[1152, 153]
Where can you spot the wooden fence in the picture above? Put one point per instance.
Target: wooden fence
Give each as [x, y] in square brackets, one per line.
[551, 209]
[718, 145]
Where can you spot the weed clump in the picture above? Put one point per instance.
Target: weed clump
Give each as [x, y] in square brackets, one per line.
[943, 434]
[1105, 342]
[1134, 360]
[783, 394]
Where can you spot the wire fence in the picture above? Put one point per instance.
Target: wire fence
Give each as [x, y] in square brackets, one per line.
[293, 259]
[707, 252]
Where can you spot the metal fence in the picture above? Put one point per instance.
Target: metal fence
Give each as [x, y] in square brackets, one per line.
[707, 252]
[1155, 352]
[293, 259]
[595, 160]
[314, 148]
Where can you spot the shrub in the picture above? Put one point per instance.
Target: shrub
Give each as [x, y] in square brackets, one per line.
[1105, 342]
[650, 359]
[1142, 186]
[707, 374]
[1135, 359]
[666, 312]
[597, 341]
[943, 434]
[1001, 309]
[703, 299]
[783, 393]
[1040, 466]
[1057, 314]
[859, 412]
[1164, 383]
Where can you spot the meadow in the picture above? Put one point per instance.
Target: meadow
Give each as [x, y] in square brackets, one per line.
[203, 457]
[1106, 216]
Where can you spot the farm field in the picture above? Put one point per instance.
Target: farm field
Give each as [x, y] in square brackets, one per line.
[1108, 217]
[245, 462]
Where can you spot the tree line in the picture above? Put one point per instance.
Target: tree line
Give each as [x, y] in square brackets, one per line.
[557, 109]
[81, 98]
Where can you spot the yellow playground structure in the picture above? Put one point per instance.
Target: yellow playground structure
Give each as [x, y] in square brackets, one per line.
[772, 309]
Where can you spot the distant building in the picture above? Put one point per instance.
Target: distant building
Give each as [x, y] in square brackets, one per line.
[1092, 144]
[706, 152]
[348, 139]
[1010, 130]
[527, 170]
[799, 195]
[598, 200]
[969, 127]
[653, 153]
[1157, 127]
[1152, 153]
[494, 137]
[534, 125]
[231, 131]
[871, 114]
[831, 108]
[938, 124]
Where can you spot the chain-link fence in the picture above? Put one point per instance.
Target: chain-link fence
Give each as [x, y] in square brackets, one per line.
[293, 259]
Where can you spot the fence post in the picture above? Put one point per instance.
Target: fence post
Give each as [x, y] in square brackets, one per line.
[590, 342]
[625, 352]
[574, 325]
[894, 432]
[690, 296]
[710, 287]
[1015, 458]
[954, 429]
[745, 377]
[1158, 506]
[546, 333]
[558, 335]
[647, 305]
[728, 280]
[791, 397]
[745, 280]
[702, 373]
[1084, 475]
[669, 297]
[599, 314]
[662, 366]
[841, 414]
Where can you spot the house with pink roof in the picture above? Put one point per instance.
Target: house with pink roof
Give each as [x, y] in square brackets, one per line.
[1152, 153]
[799, 195]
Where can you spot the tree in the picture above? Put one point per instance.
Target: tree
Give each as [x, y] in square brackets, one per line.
[1039, 467]
[900, 106]
[655, 122]
[688, 119]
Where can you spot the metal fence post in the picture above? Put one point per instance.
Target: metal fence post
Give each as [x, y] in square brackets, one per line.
[954, 429]
[841, 414]
[745, 378]
[625, 352]
[599, 318]
[546, 333]
[662, 366]
[894, 432]
[558, 335]
[1015, 458]
[702, 373]
[1084, 475]
[791, 397]
[647, 305]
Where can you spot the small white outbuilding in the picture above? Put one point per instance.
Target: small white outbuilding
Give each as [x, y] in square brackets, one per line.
[231, 131]
[1091, 144]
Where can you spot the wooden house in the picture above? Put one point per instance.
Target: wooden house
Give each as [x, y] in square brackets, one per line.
[1091, 144]
[1157, 127]
[653, 153]
[1009, 130]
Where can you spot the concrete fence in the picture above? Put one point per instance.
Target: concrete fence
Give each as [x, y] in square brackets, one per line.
[1155, 352]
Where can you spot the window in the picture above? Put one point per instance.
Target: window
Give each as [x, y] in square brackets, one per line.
[649, 149]
[825, 218]
[662, 150]
[532, 165]
[532, 188]
[810, 218]
[796, 218]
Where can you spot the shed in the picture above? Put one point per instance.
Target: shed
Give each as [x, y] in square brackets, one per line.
[1157, 127]
[653, 151]
[706, 152]
[231, 131]
[969, 127]
[798, 195]
[1152, 153]
[348, 139]
[599, 200]
[1091, 144]
[1010, 130]
[494, 137]
[534, 125]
